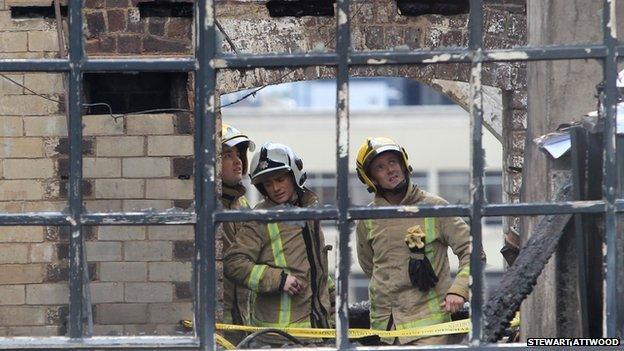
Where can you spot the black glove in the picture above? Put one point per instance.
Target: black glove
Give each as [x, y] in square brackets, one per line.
[421, 273]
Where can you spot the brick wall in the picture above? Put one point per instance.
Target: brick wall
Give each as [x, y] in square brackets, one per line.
[117, 27]
[140, 274]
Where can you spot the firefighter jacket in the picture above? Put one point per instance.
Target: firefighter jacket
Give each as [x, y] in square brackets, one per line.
[235, 297]
[263, 252]
[384, 257]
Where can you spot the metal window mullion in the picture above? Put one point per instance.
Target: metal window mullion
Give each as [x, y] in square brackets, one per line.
[182, 64]
[28, 65]
[477, 165]
[609, 168]
[205, 196]
[76, 267]
[343, 48]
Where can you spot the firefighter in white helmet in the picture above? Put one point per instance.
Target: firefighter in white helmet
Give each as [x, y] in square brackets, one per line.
[234, 166]
[284, 264]
[406, 258]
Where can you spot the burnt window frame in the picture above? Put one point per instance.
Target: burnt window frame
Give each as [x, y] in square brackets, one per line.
[205, 63]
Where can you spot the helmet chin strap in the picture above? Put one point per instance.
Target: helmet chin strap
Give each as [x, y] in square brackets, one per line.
[398, 189]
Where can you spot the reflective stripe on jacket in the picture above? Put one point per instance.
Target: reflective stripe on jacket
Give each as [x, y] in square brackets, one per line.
[263, 251]
[384, 257]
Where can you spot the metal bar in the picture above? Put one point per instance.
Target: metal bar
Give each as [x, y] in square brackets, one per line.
[384, 57]
[577, 153]
[409, 212]
[609, 168]
[476, 171]
[186, 218]
[179, 64]
[490, 210]
[184, 64]
[100, 342]
[276, 215]
[205, 195]
[178, 342]
[544, 208]
[26, 65]
[343, 47]
[619, 205]
[463, 56]
[76, 54]
[34, 218]
[230, 61]
[138, 218]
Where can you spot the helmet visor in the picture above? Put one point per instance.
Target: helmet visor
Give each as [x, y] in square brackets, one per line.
[251, 146]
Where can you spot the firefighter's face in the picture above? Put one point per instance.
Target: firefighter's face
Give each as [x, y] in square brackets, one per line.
[387, 170]
[279, 187]
[231, 165]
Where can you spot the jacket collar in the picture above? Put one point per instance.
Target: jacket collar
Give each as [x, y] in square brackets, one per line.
[309, 199]
[231, 193]
[412, 196]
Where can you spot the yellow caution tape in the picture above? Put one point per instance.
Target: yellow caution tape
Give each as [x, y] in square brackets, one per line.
[223, 342]
[454, 327]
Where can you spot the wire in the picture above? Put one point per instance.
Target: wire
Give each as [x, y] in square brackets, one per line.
[29, 90]
[110, 109]
[156, 110]
[227, 37]
[255, 91]
[116, 116]
[245, 342]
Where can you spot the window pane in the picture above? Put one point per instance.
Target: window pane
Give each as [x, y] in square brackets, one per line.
[454, 186]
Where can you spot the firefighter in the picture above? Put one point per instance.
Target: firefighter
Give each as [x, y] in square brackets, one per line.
[406, 259]
[233, 167]
[284, 264]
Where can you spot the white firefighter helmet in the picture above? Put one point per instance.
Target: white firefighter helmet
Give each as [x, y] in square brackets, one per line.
[233, 137]
[273, 157]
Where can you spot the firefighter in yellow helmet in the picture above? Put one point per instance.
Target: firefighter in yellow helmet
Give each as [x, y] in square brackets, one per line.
[234, 166]
[284, 264]
[406, 258]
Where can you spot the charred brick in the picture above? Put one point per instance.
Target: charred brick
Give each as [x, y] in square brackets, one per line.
[95, 24]
[128, 44]
[183, 291]
[153, 44]
[156, 26]
[86, 186]
[183, 250]
[117, 20]
[433, 7]
[57, 315]
[63, 147]
[294, 8]
[57, 272]
[374, 38]
[87, 231]
[179, 28]
[117, 3]
[183, 167]
[183, 123]
[183, 204]
[94, 4]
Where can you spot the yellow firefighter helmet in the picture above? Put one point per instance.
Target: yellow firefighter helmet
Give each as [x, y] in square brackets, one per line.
[372, 147]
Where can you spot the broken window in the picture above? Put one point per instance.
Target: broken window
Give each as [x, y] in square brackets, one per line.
[135, 91]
